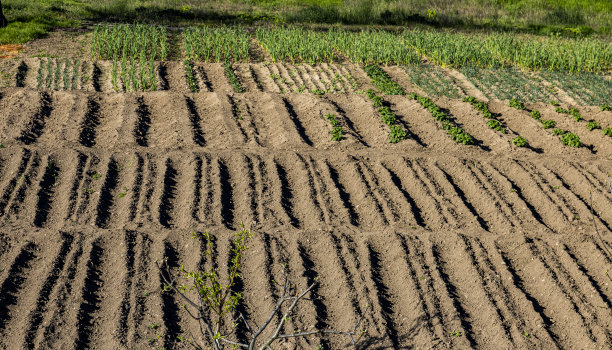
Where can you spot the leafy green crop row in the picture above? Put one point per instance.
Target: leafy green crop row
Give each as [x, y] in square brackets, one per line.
[446, 123]
[336, 130]
[216, 44]
[407, 48]
[129, 41]
[493, 123]
[295, 45]
[383, 81]
[396, 132]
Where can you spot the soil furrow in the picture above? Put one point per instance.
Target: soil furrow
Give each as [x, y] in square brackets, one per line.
[226, 193]
[107, 197]
[15, 180]
[170, 307]
[36, 126]
[384, 298]
[345, 197]
[143, 122]
[14, 282]
[168, 195]
[87, 136]
[46, 193]
[196, 120]
[452, 291]
[36, 315]
[91, 297]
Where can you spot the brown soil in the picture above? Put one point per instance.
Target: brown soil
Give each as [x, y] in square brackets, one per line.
[487, 246]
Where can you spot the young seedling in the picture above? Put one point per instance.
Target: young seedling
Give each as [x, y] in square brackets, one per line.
[592, 125]
[520, 141]
[558, 132]
[607, 132]
[554, 103]
[536, 115]
[606, 108]
[514, 103]
[548, 124]
[571, 139]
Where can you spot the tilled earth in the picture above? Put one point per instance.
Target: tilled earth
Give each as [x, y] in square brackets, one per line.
[438, 245]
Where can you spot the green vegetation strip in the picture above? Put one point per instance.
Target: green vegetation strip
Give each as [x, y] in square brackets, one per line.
[383, 81]
[396, 132]
[216, 44]
[493, 123]
[133, 50]
[446, 123]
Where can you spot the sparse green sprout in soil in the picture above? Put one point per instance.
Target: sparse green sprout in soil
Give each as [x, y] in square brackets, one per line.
[514, 103]
[332, 119]
[606, 108]
[554, 103]
[520, 141]
[607, 132]
[571, 139]
[558, 132]
[576, 114]
[592, 125]
[562, 110]
[337, 130]
[383, 81]
[387, 116]
[496, 125]
[548, 124]
[317, 92]
[337, 133]
[536, 115]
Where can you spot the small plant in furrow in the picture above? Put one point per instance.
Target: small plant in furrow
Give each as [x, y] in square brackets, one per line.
[446, 123]
[231, 76]
[576, 114]
[606, 108]
[562, 110]
[554, 103]
[592, 125]
[396, 132]
[337, 130]
[383, 81]
[514, 103]
[520, 141]
[571, 139]
[492, 123]
[548, 124]
[607, 132]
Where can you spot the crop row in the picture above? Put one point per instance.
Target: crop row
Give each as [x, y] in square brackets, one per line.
[410, 47]
[336, 130]
[58, 74]
[216, 44]
[396, 132]
[129, 42]
[446, 123]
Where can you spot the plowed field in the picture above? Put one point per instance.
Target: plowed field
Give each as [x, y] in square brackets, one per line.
[440, 245]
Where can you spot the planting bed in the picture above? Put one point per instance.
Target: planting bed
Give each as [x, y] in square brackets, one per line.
[437, 243]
